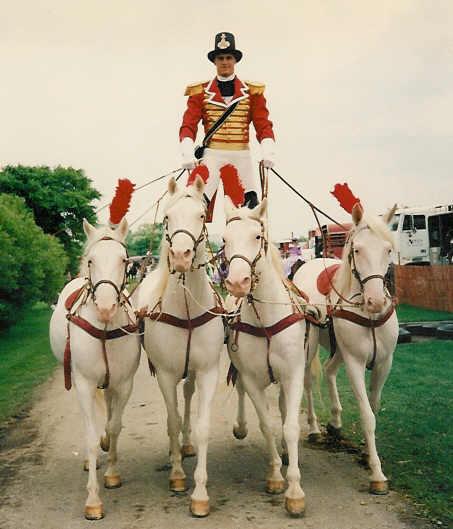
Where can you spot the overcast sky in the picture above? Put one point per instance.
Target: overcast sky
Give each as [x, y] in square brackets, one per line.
[359, 91]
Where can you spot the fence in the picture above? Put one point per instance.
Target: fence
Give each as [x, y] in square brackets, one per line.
[425, 286]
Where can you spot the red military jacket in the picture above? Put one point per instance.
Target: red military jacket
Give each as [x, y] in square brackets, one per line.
[205, 103]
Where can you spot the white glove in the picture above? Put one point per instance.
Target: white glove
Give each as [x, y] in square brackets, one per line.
[268, 152]
[188, 157]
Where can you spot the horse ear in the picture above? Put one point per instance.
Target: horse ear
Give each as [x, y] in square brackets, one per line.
[357, 213]
[230, 208]
[122, 229]
[172, 186]
[261, 208]
[88, 228]
[199, 184]
[389, 215]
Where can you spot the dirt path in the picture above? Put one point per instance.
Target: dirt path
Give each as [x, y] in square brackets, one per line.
[42, 484]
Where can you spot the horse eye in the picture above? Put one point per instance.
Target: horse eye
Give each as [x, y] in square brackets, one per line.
[90, 262]
[258, 237]
[356, 251]
[202, 216]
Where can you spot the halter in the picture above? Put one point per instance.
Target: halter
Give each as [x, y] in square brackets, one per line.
[263, 246]
[352, 264]
[92, 288]
[196, 241]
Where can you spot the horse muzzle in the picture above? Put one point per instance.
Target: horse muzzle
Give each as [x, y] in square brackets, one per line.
[106, 313]
[181, 260]
[239, 288]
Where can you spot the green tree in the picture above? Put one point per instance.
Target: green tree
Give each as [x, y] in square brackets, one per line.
[59, 198]
[32, 263]
[146, 237]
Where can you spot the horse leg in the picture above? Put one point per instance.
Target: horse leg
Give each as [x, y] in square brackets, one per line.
[86, 393]
[206, 384]
[331, 369]
[356, 375]
[240, 430]
[294, 495]
[167, 383]
[119, 398]
[379, 375]
[275, 484]
[282, 407]
[188, 390]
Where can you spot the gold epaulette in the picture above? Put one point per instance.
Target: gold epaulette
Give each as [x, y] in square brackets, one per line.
[255, 88]
[195, 89]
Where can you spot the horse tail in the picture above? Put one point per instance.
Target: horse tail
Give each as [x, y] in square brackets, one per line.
[100, 410]
[316, 374]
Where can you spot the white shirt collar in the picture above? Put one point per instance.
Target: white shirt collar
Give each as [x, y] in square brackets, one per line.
[229, 78]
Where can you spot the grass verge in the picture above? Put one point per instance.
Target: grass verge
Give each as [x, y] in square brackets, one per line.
[407, 313]
[414, 428]
[25, 360]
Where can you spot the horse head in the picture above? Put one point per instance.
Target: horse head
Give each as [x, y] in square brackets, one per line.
[105, 266]
[368, 251]
[245, 244]
[184, 224]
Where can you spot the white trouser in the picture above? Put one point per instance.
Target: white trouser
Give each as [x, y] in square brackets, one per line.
[215, 159]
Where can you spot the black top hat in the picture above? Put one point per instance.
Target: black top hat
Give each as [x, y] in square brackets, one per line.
[224, 44]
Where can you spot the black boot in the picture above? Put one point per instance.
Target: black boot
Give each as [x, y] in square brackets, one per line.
[250, 200]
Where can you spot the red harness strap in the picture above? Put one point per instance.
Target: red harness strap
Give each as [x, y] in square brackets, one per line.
[188, 324]
[263, 332]
[359, 320]
[100, 334]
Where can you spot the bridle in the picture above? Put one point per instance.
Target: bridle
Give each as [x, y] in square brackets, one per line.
[196, 240]
[352, 264]
[93, 287]
[262, 251]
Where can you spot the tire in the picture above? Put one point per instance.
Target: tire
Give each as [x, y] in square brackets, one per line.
[445, 331]
[404, 336]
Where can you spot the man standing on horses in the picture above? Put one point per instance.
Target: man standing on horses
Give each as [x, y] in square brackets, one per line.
[226, 144]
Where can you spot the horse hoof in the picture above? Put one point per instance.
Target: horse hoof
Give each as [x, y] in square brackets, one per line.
[94, 512]
[379, 488]
[332, 431]
[86, 466]
[285, 459]
[188, 451]
[105, 443]
[239, 433]
[275, 486]
[178, 484]
[199, 508]
[295, 507]
[314, 438]
[112, 482]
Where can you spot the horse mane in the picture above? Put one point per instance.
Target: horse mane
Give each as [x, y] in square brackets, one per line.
[343, 278]
[101, 231]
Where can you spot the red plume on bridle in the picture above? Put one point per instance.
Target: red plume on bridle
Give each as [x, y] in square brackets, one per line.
[345, 197]
[121, 201]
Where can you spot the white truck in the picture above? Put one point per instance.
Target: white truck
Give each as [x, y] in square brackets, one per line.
[424, 235]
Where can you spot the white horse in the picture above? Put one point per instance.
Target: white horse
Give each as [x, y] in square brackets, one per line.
[183, 333]
[102, 354]
[267, 343]
[364, 322]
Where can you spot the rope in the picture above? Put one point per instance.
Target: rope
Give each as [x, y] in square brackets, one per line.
[144, 185]
[313, 207]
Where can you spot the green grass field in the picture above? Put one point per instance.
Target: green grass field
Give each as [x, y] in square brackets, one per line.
[25, 360]
[407, 313]
[414, 426]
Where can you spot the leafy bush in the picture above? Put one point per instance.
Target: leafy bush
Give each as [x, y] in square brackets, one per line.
[32, 263]
[59, 197]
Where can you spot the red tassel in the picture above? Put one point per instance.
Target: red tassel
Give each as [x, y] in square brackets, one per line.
[121, 201]
[345, 197]
[232, 184]
[199, 170]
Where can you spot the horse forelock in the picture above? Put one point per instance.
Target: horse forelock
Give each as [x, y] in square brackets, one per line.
[101, 232]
